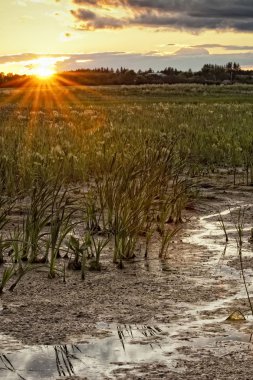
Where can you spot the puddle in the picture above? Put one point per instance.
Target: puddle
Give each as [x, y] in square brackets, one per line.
[96, 358]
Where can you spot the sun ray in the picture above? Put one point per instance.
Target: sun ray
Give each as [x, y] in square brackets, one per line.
[45, 88]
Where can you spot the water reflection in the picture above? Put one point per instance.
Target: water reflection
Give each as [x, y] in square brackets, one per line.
[129, 344]
[126, 331]
[7, 365]
[64, 356]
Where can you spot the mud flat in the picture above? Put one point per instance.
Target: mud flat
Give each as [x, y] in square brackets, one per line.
[154, 319]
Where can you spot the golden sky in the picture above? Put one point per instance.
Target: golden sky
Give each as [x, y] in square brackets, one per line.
[133, 33]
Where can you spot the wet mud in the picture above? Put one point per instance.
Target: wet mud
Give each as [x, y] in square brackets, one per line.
[154, 319]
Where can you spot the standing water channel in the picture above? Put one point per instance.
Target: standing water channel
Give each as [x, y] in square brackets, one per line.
[128, 345]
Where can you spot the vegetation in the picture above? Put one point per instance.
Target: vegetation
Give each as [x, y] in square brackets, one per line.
[85, 178]
[209, 74]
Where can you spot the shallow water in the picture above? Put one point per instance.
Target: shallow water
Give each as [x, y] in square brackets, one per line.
[127, 344]
[210, 235]
[96, 358]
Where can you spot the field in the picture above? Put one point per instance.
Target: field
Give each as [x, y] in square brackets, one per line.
[115, 207]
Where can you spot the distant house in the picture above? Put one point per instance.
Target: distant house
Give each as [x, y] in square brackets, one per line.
[160, 75]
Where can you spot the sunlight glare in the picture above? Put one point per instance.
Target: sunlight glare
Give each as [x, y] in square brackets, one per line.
[44, 68]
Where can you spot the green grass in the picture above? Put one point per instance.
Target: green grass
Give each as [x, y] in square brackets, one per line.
[106, 96]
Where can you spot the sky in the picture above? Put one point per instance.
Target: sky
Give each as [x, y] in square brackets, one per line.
[56, 35]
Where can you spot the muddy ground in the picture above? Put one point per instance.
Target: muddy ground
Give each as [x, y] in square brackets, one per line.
[188, 296]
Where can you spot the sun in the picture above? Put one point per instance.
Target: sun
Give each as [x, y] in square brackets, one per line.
[44, 68]
[44, 72]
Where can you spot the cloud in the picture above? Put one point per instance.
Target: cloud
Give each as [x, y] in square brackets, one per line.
[28, 63]
[192, 51]
[224, 47]
[182, 60]
[91, 21]
[100, 3]
[176, 14]
[17, 58]
[136, 61]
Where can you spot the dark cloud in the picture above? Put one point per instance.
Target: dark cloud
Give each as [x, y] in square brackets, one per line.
[179, 14]
[100, 3]
[84, 15]
[90, 21]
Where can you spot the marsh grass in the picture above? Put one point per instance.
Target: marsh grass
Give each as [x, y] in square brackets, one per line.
[126, 174]
[134, 163]
[36, 220]
[61, 224]
[13, 272]
[98, 245]
[79, 250]
[7, 274]
[6, 205]
[223, 226]
[239, 221]
[239, 225]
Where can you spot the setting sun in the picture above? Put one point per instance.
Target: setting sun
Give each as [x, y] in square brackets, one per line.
[44, 72]
[44, 68]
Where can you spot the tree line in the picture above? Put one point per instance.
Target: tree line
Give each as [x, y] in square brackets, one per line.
[209, 74]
